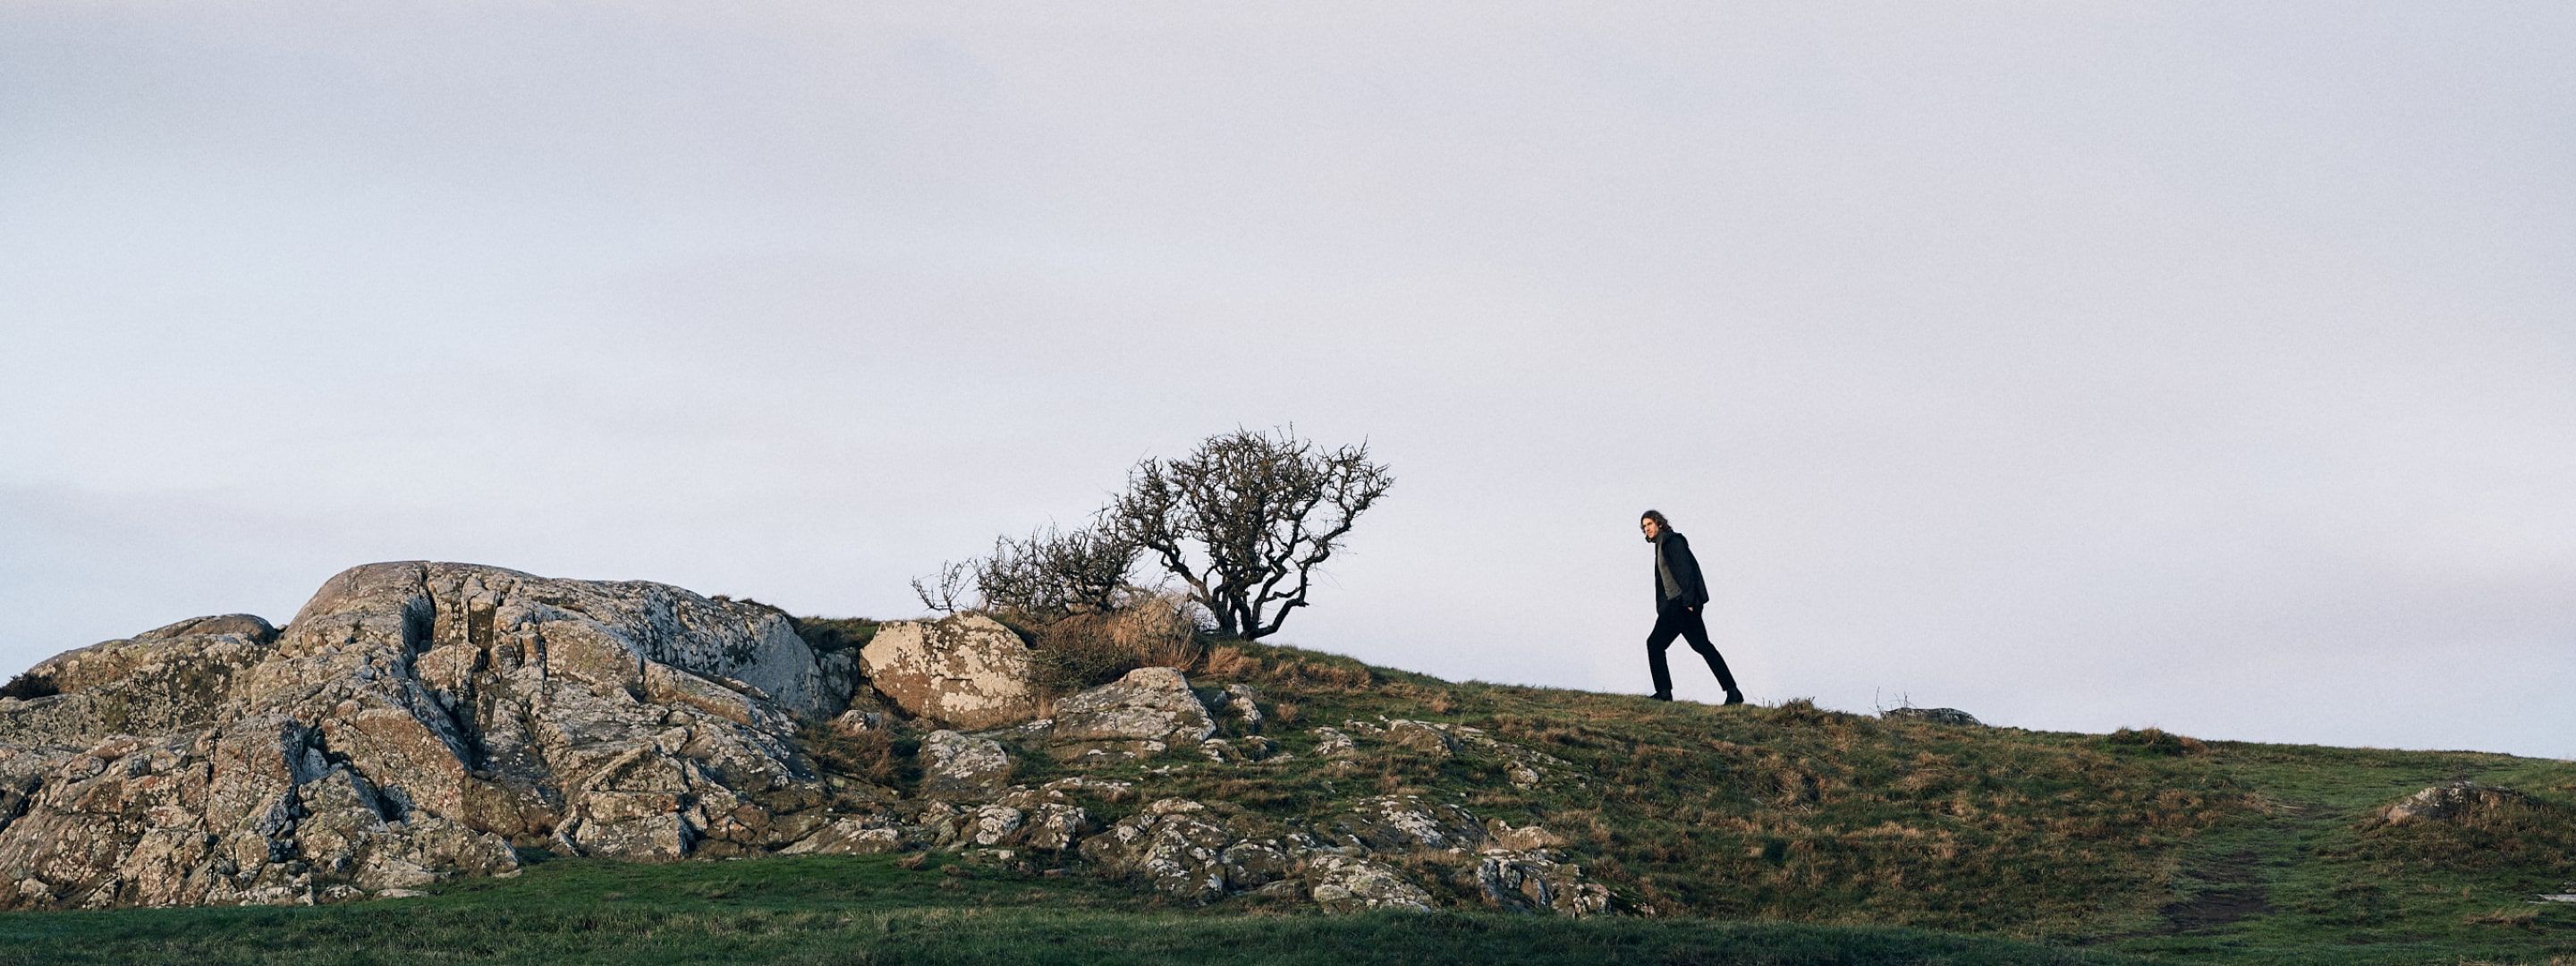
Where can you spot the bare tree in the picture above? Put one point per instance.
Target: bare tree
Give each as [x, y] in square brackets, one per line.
[950, 591]
[1246, 518]
[1049, 574]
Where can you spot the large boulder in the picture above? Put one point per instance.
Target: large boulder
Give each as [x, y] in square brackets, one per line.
[965, 672]
[415, 721]
[1152, 704]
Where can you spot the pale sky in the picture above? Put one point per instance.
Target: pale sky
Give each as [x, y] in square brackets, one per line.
[2200, 365]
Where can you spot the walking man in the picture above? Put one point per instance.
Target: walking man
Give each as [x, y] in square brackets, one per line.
[1679, 595]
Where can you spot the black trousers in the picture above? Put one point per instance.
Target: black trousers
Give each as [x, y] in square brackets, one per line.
[1675, 620]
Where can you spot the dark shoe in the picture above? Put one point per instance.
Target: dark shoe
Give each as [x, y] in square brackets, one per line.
[1660, 697]
[1735, 697]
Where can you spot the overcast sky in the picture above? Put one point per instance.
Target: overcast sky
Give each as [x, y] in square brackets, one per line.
[2209, 366]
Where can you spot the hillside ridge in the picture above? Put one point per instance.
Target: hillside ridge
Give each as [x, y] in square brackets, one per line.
[421, 724]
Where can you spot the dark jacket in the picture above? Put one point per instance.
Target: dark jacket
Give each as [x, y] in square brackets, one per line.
[1685, 568]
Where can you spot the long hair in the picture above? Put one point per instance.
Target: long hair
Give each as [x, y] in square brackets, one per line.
[1658, 517]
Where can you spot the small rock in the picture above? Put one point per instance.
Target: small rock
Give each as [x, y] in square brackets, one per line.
[1331, 742]
[992, 824]
[2450, 802]
[1054, 826]
[932, 824]
[1389, 822]
[1420, 736]
[1104, 789]
[958, 767]
[1251, 865]
[1943, 716]
[855, 722]
[1345, 884]
[1171, 845]
[1239, 701]
[1533, 881]
[849, 836]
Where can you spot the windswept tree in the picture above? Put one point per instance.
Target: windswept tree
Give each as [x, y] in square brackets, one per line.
[1048, 575]
[1246, 518]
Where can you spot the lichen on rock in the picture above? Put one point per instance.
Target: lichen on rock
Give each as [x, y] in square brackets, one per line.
[966, 671]
[414, 722]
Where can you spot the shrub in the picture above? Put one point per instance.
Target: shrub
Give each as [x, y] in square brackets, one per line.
[1242, 522]
[1086, 650]
[1047, 576]
[1230, 662]
[877, 755]
[29, 686]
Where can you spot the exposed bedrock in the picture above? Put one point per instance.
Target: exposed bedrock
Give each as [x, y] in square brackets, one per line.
[415, 721]
[418, 722]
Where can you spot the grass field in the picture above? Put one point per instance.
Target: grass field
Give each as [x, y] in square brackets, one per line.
[1780, 834]
[814, 909]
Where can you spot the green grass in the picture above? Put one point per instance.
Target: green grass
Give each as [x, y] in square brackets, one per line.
[1780, 834]
[816, 909]
[2333, 889]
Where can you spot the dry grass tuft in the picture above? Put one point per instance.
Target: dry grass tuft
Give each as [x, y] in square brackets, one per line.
[1089, 650]
[1230, 661]
[872, 755]
[2520, 918]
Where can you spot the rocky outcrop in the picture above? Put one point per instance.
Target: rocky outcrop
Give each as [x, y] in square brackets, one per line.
[852, 835]
[418, 722]
[1172, 845]
[1200, 852]
[966, 672]
[1523, 767]
[415, 721]
[1347, 884]
[1395, 822]
[1237, 701]
[1534, 881]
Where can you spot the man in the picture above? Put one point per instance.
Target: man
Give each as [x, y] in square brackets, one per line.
[1679, 595]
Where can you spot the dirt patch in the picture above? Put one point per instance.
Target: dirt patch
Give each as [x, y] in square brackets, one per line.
[2233, 893]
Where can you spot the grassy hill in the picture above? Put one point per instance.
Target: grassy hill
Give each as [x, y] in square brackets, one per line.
[1781, 834]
